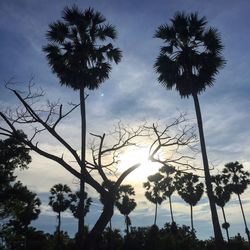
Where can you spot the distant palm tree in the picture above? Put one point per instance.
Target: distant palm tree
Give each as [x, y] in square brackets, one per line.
[154, 191]
[188, 62]
[59, 201]
[125, 203]
[74, 204]
[190, 190]
[168, 185]
[222, 195]
[238, 181]
[80, 55]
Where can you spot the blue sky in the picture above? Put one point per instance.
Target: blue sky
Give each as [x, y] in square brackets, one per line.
[132, 93]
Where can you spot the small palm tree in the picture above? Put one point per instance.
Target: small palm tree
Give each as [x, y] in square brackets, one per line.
[125, 203]
[154, 191]
[222, 195]
[238, 181]
[168, 185]
[59, 201]
[80, 53]
[75, 204]
[190, 190]
[188, 62]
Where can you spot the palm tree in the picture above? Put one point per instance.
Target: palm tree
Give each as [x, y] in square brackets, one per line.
[238, 180]
[80, 55]
[168, 186]
[59, 201]
[154, 191]
[189, 61]
[222, 195]
[125, 203]
[74, 204]
[190, 190]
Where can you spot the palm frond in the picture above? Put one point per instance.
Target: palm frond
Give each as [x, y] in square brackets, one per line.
[106, 31]
[73, 15]
[58, 32]
[212, 40]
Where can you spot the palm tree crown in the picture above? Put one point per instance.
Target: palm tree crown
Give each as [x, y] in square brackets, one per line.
[238, 179]
[59, 199]
[124, 202]
[222, 194]
[154, 191]
[74, 204]
[167, 182]
[189, 187]
[191, 55]
[77, 51]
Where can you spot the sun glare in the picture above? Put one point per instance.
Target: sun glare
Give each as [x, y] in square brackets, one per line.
[132, 157]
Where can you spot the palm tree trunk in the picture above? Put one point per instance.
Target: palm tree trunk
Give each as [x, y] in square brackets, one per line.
[59, 223]
[156, 205]
[225, 221]
[127, 226]
[171, 209]
[82, 184]
[191, 216]
[59, 232]
[244, 218]
[219, 243]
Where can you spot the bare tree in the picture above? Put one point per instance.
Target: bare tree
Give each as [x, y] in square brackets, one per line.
[104, 150]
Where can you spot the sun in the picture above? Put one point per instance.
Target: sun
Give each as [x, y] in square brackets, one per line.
[132, 157]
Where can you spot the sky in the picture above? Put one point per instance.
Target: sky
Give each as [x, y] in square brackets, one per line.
[132, 95]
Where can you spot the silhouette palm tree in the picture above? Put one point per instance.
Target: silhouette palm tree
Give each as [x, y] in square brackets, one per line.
[238, 181]
[168, 186]
[154, 191]
[189, 61]
[222, 195]
[80, 53]
[190, 190]
[59, 201]
[74, 204]
[125, 203]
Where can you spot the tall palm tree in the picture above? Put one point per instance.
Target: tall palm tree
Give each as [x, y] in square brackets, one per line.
[238, 181]
[125, 203]
[190, 190]
[154, 191]
[168, 186]
[80, 53]
[59, 201]
[188, 62]
[222, 195]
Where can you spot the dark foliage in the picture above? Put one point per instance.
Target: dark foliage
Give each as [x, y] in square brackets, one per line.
[78, 51]
[191, 55]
